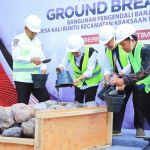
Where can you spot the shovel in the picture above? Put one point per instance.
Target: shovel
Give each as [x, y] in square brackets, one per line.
[46, 61]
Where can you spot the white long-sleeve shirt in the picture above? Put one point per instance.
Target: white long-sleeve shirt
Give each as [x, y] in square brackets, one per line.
[23, 41]
[90, 67]
[108, 68]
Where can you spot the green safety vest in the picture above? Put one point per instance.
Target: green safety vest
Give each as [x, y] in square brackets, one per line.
[97, 73]
[22, 71]
[122, 55]
[136, 64]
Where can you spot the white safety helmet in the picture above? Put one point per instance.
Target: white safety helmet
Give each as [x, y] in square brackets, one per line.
[75, 42]
[106, 33]
[124, 31]
[33, 22]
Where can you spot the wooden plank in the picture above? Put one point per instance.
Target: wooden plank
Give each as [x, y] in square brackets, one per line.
[109, 128]
[23, 141]
[72, 112]
[13, 146]
[75, 132]
[38, 134]
[97, 147]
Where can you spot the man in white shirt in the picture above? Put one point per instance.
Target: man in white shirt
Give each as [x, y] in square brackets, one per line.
[27, 55]
[87, 70]
[117, 64]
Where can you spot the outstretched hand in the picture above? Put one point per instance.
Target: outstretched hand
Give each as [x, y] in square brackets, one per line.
[58, 70]
[120, 88]
[36, 61]
[117, 81]
[44, 71]
[76, 82]
[105, 83]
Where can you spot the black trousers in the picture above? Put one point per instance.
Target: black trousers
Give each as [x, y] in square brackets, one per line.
[25, 89]
[138, 116]
[143, 100]
[88, 93]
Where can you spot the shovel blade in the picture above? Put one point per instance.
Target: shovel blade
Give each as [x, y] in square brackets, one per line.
[46, 61]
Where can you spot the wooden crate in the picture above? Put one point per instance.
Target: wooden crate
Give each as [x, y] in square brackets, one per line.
[75, 129]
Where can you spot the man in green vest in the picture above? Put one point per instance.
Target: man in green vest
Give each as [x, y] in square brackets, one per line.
[86, 69]
[139, 56]
[116, 63]
[27, 55]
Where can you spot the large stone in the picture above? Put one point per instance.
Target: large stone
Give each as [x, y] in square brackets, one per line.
[40, 106]
[6, 118]
[50, 102]
[25, 113]
[9, 112]
[29, 128]
[56, 107]
[12, 132]
[91, 104]
[2, 112]
[15, 107]
[6, 122]
[70, 106]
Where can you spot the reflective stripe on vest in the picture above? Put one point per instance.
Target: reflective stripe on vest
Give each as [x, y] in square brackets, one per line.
[122, 57]
[22, 71]
[136, 65]
[97, 74]
[26, 69]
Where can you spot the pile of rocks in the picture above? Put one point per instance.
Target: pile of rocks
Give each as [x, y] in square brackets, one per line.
[19, 120]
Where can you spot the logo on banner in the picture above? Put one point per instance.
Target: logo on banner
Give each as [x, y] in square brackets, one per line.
[143, 34]
[91, 39]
